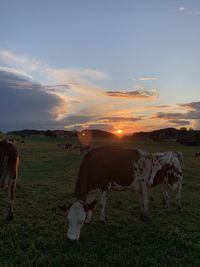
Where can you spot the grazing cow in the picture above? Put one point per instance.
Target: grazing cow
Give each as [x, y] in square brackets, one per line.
[106, 168]
[83, 148]
[9, 163]
[197, 154]
[167, 172]
[65, 146]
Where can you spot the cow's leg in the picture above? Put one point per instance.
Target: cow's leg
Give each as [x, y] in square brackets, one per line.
[91, 204]
[103, 198]
[11, 198]
[178, 196]
[165, 194]
[144, 198]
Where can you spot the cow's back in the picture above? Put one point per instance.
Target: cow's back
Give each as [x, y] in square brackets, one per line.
[105, 166]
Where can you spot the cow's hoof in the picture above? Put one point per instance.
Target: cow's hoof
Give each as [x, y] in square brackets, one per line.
[9, 217]
[180, 209]
[151, 198]
[144, 217]
[103, 220]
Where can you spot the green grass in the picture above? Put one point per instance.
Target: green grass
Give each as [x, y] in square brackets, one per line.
[37, 236]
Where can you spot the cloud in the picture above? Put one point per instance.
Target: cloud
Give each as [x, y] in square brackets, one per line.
[66, 98]
[19, 60]
[187, 11]
[191, 105]
[24, 103]
[72, 76]
[182, 8]
[137, 94]
[37, 68]
[145, 78]
[120, 119]
[16, 72]
[192, 113]
[167, 116]
[180, 122]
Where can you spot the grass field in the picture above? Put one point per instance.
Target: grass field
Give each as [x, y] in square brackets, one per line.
[37, 236]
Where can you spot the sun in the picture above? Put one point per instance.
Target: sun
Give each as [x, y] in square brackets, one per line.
[118, 132]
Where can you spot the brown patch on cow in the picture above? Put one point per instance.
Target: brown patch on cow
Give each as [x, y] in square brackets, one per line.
[91, 206]
[168, 172]
[105, 166]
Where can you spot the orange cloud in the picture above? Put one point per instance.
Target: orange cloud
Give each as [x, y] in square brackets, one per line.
[137, 94]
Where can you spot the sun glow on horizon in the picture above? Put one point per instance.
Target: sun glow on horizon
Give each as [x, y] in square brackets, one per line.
[118, 132]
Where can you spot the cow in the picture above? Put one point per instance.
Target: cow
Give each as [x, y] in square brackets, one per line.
[83, 148]
[167, 172]
[68, 146]
[9, 165]
[65, 146]
[197, 154]
[103, 169]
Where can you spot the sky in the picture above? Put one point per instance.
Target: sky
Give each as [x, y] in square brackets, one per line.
[129, 65]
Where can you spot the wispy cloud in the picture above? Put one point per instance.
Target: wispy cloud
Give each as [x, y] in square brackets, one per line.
[180, 122]
[168, 116]
[190, 115]
[19, 60]
[137, 94]
[145, 78]
[187, 11]
[191, 105]
[16, 71]
[49, 74]
[120, 119]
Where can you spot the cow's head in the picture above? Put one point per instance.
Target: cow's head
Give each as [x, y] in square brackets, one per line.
[78, 213]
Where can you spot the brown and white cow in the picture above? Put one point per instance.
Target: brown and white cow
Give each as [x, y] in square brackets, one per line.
[103, 169]
[167, 172]
[9, 162]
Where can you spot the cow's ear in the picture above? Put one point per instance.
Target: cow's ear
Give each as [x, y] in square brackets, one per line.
[64, 208]
[91, 206]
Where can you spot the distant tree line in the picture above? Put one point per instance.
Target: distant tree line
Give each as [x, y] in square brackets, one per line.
[62, 133]
[183, 135]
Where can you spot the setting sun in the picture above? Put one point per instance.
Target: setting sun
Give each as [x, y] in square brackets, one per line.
[118, 132]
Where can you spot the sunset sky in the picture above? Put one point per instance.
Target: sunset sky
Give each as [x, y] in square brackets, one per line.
[129, 65]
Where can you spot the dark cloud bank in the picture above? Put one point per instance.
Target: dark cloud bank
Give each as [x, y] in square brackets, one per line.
[24, 104]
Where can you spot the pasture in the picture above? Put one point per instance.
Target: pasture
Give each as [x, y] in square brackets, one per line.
[37, 236]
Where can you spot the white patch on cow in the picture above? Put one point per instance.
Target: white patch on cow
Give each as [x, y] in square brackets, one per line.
[89, 216]
[76, 219]
[142, 167]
